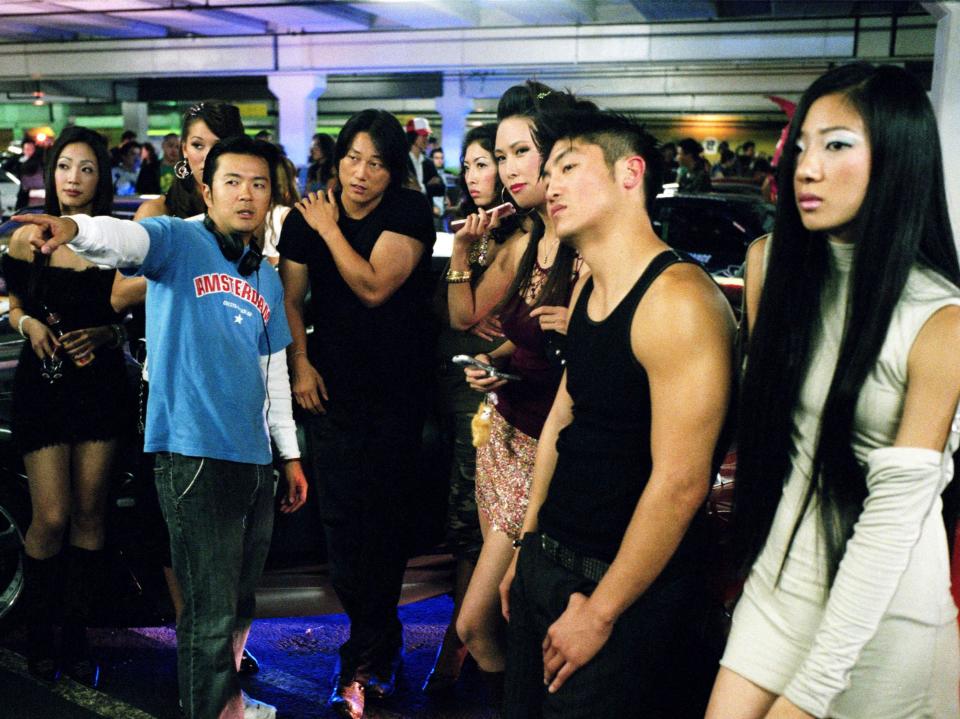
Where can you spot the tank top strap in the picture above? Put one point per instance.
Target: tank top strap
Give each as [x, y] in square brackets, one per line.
[656, 267]
[580, 309]
[629, 303]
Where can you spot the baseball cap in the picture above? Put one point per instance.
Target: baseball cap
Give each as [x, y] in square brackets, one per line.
[418, 125]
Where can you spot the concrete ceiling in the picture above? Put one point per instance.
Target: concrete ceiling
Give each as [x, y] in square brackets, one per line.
[46, 20]
[657, 57]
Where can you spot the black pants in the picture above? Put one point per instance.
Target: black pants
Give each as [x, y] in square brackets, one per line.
[652, 666]
[364, 460]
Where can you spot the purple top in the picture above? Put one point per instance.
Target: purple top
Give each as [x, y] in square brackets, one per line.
[525, 404]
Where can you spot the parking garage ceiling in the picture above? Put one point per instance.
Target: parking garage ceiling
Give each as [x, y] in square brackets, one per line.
[53, 20]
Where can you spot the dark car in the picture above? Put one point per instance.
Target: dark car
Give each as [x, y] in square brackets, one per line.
[714, 229]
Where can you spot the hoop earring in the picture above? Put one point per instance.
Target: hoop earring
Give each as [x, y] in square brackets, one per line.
[182, 169]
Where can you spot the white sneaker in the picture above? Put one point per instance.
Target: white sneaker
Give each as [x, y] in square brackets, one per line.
[252, 709]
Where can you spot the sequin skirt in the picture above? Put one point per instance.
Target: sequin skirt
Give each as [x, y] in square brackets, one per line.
[504, 474]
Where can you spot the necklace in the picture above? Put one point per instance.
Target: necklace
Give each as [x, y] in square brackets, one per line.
[550, 251]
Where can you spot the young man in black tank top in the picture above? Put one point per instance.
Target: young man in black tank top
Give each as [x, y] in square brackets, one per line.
[607, 582]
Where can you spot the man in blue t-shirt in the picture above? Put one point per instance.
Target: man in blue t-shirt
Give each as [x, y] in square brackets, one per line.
[214, 324]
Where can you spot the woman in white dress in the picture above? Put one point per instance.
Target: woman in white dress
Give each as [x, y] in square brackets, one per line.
[848, 420]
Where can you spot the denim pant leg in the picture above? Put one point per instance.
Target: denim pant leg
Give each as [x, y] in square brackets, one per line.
[211, 506]
[258, 532]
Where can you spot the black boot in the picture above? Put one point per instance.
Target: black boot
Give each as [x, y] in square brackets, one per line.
[40, 580]
[85, 575]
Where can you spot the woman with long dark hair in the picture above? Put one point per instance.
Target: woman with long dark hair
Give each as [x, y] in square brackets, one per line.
[364, 378]
[320, 170]
[848, 419]
[481, 187]
[203, 125]
[528, 285]
[69, 408]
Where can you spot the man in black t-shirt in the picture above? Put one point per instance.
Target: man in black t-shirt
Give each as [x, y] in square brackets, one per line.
[607, 584]
[363, 378]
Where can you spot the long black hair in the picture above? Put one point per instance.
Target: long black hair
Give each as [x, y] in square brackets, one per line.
[103, 198]
[321, 172]
[902, 223]
[531, 100]
[387, 136]
[485, 136]
[224, 121]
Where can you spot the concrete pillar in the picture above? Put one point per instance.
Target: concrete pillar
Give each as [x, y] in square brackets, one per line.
[945, 95]
[297, 95]
[136, 118]
[454, 109]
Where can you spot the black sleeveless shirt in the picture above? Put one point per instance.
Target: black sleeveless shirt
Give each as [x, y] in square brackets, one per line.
[604, 458]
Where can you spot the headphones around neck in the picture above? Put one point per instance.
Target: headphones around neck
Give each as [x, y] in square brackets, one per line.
[232, 248]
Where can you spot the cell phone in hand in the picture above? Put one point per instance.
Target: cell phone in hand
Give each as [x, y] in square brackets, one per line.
[501, 211]
[468, 361]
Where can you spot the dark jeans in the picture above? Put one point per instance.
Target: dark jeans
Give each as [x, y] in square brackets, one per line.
[220, 518]
[643, 670]
[365, 460]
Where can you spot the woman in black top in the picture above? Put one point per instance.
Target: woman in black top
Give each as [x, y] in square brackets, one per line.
[68, 408]
[364, 378]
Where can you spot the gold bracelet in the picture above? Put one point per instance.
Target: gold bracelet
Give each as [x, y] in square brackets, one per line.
[454, 277]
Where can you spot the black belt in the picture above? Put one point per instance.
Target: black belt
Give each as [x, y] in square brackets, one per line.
[589, 567]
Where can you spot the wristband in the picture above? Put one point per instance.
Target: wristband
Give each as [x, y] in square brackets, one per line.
[23, 319]
[119, 335]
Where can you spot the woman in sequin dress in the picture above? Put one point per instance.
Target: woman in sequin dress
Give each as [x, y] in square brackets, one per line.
[529, 286]
[481, 187]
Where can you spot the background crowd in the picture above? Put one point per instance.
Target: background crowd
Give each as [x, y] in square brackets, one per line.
[604, 369]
